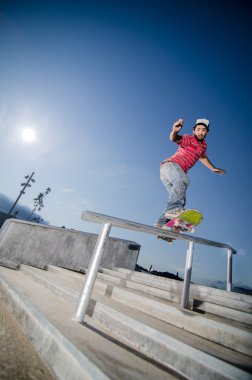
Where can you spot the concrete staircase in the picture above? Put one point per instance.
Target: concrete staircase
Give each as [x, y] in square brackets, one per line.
[134, 328]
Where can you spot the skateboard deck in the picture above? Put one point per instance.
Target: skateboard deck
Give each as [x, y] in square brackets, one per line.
[184, 222]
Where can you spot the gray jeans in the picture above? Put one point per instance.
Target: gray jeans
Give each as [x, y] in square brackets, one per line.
[176, 181]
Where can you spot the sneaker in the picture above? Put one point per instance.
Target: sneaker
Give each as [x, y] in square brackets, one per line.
[174, 214]
[157, 225]
[165, 227]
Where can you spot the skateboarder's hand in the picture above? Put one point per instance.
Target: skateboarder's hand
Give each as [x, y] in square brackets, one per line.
[178, 125]
[219, 171]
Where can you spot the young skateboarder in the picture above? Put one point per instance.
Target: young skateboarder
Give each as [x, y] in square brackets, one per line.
[173, 170]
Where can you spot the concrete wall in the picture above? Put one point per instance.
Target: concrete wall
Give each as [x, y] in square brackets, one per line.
[40, 245]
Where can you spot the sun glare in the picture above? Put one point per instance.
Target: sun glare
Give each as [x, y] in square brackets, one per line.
[29, 135]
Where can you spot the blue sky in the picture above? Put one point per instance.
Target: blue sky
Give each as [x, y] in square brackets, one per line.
[101, 83]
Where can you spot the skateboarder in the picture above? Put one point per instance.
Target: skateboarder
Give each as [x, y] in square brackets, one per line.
[173, 170]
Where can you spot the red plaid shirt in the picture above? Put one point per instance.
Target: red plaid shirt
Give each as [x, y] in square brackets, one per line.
[189, 152]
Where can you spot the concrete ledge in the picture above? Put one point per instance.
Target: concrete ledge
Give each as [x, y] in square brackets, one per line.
[62, 357]
[40, 245]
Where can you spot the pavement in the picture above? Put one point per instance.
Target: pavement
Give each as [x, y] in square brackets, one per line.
[19, 359]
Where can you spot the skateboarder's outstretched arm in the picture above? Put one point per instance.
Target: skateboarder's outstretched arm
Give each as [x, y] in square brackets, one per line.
[174, 136]
[205, 161]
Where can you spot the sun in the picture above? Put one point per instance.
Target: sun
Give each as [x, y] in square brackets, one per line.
[29, 135]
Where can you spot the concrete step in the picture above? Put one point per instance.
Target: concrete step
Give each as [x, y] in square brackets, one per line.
[203, 299]
[176, 285]
[151, 341]
[234, 338]
[136, 284]
[223, 311]
[70, 349]
[170, 352]
[172, 286]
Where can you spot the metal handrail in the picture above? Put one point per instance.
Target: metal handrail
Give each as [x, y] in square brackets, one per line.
[109, 221]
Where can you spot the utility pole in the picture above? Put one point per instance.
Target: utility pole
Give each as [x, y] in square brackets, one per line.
[24, 185]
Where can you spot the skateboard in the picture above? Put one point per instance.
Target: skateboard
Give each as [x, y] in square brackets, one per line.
[184, 222]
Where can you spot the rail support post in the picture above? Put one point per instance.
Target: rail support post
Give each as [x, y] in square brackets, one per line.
[229, 270]
[187, 275]
[90, 277]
